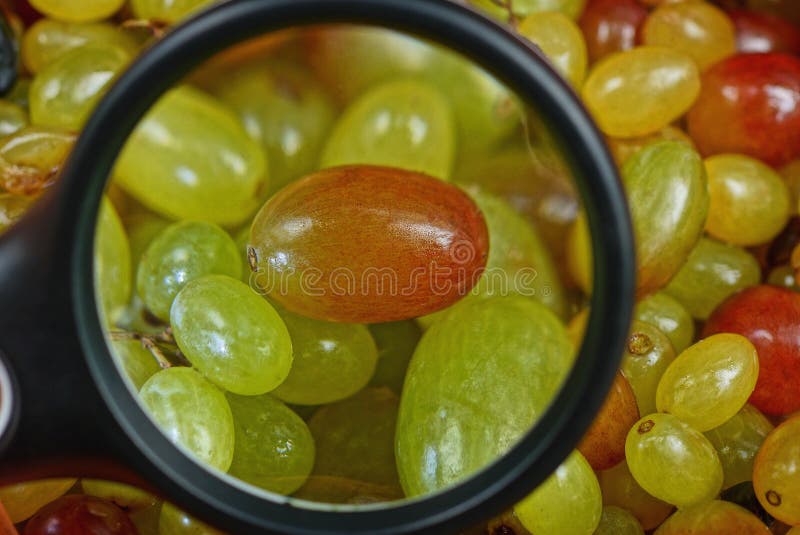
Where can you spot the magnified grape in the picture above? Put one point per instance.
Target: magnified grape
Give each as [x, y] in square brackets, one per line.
[395, 342]
[112, 262]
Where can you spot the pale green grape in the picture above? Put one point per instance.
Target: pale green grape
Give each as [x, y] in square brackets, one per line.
[21, 501]
[332, 361]
[672, 461]
[669, 316]
[648, 353]
[737, 441]
[65, 92]
[404, 123]
[567, 503]
[19, 93]
[523, 8]
[617, 521]
[142, 227]
[112, 263]
[127, 497]
[136, 361]
[12, 117]
[77, 10]
[396, 342]
[355, 438]
[274, 449]
[192, 413]
[182, 253]
[190, 158]
[173, 521]
[454, 418]
[167, 10]
[48, 40]
[710, 381]
[232, 335]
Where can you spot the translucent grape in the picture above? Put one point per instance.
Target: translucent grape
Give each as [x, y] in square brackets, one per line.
[142, 230]
[184, 252]
[273, 449]
[173, 521]
[396, 342]
[146, 520]
[561, 41]
[616, 521]
[737, 441]
[12, 208]
[648, 354]
[672, 461]
[453, 419]
[776, 472]
[192, 413]
[611, 26]
[77, 10]
[190, 158]
[167, 10]
[579, 254]
[112, 263]
[340, 490]
[757, 31]
[76, 514]
[125, 496]
[18, 94]
[136, 361]
[715, 517]
[12, 118]
[620, 489]
[524, 8]
[567, 503]
[622, 148]
[403, 123]
[712, 272]
[670, 316]
[232, 335]
[31, 157]
[21, 501]
[708, 383]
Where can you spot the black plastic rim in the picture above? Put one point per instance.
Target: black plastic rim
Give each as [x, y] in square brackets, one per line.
[512, 61]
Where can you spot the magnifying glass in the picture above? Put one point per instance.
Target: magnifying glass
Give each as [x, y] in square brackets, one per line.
[512, 134]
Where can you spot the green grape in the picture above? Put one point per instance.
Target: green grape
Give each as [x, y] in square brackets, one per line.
[31, 157]
[77, 10]
[620, 489]
[672, 461]
[567, 503]
[184, 252]
[146, 520]
[713, 272]
[142, 227]
[324, 489]
[617, 521]
[647, 355]
[453, 418]
[737, 441]
[355, 438]
[403, 123]
[112, 263]
[48, 40]
[167, 10]
[283, 108]
[192, 413]
[125, 496]
[65, 92]
[783, 276]
[242, 240]
[561, 40]
[708, 383]
[12, 117]
[669, 316]
[173, 521]
[332, 361]
[579, 254]
[136, 361]
[18, 94]
[523, 8]
[273, 449]
[715, 517]
[21, 501]
[396, 342]
[190, 158]
[12, 208]
[232, 335]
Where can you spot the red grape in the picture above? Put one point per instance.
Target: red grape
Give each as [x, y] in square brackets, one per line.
[611, 26]
[761, 32]
[76, 514]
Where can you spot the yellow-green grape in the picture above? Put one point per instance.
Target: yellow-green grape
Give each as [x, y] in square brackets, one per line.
[332, 361]
[77, 10]
[273, 448]
[340, 490]
[617, 521]
[708, 383]
[622, 149]
[698, 29]
[668, 198]
[355, 439]
[18, 94]
[576, 328]
[784, 276]
[31, 157]
[404, 123]
[125, 496]
[776, 472]
[750, 203]
[791, 177]
[232, 335]
[12, 208]
[112, 263]
[453, 419]
[396, 342]
[523, 8]
[561, 41]
[715, 517]
[620, 489]
[190, 158]
[192, 413]
[713, 272]
[579, 254]
[659, 83]
[669, 316]
[65, 92]
[48, 40]
[146, 520]
[672, 461]
[137, 362]
[794, 531]
[567, 503]
[648, 354]
[142, 227]
[21, 501]
[737, 441]
[167, 10]
[183, 252]
[284, 109]
[173, 521]
[12, 118]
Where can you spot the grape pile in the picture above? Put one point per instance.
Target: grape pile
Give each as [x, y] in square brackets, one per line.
[349, 266]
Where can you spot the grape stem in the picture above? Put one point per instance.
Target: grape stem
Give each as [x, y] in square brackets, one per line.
[507, 5]
[155, 28]
[154, 343]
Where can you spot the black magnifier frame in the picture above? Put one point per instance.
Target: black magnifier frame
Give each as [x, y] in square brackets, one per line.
[72, 413]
